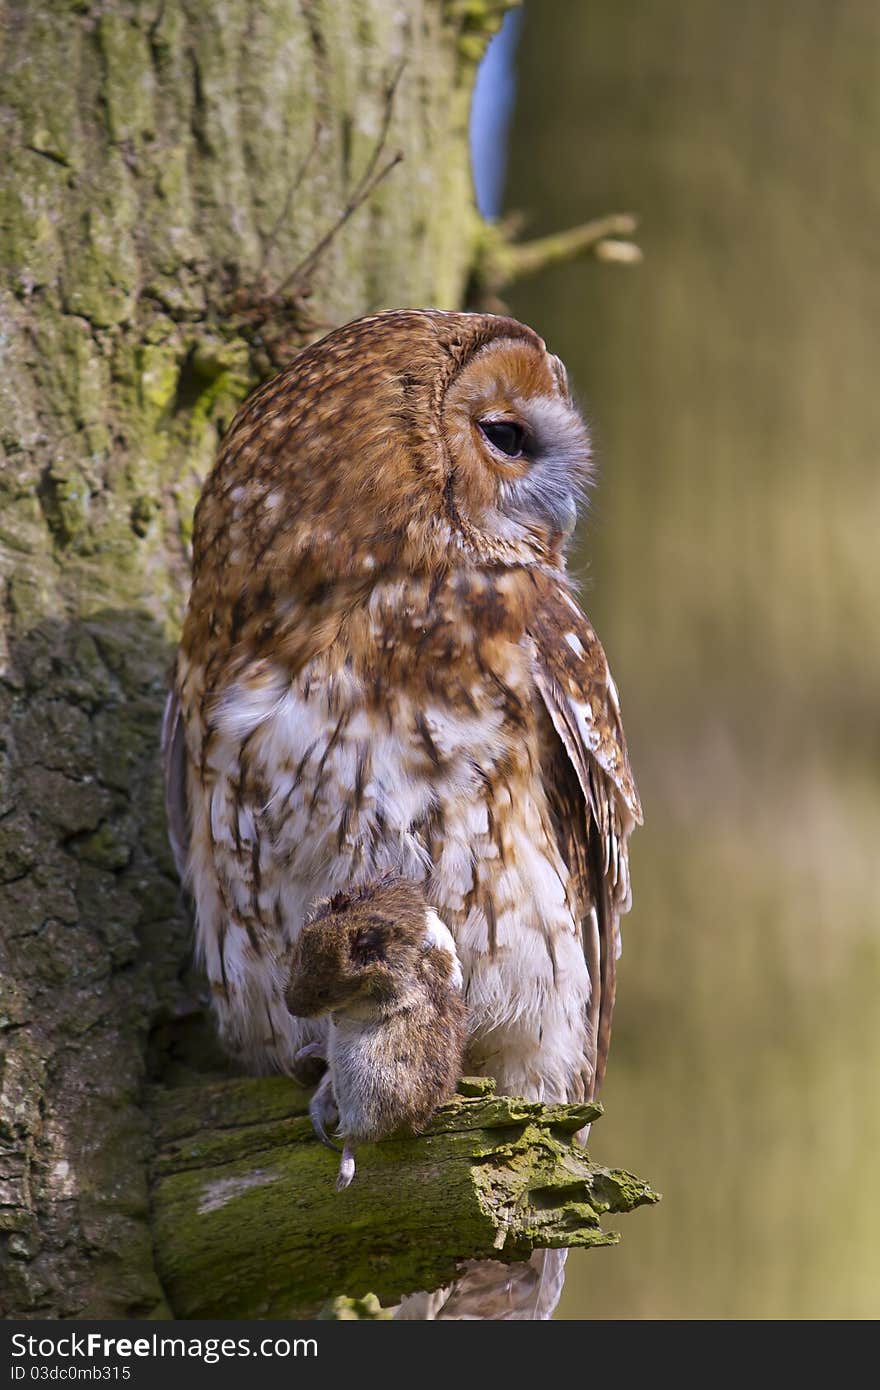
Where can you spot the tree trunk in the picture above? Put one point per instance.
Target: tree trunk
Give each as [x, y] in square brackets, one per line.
[191, 191]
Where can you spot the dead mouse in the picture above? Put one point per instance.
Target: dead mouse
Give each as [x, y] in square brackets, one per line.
[381, 964]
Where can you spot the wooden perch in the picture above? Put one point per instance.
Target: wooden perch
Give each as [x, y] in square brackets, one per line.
[247, 1222]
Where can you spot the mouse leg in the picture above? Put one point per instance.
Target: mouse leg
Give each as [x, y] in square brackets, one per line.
[346, 1167]
[323, 1111]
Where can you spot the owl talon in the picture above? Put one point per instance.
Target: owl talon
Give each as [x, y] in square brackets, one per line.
[310, 1064]
[323, 1112]
[346, 1168]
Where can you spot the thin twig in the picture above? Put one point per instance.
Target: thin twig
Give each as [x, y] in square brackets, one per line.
[387, 112]
[301, 172]
[366, 185]
[308, 262]
[525, 258]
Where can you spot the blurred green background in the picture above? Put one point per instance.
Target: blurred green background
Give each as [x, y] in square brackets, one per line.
[731, 562]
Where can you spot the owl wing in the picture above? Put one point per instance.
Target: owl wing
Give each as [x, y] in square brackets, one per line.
[591, 791]
[174, 765]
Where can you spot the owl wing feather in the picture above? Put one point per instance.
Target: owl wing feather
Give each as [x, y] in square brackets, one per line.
[174, 767]
[591, 792]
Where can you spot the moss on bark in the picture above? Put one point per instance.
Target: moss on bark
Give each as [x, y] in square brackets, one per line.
[248, 1222]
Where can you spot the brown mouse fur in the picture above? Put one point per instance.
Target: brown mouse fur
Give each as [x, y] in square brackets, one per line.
[381, 964]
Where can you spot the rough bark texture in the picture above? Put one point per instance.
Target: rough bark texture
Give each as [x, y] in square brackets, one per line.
[158, 159]
[248, 1223]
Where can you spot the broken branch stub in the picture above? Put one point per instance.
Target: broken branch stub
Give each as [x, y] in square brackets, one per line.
[247, 1221]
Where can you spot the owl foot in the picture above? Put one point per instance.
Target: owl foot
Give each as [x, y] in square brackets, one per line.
[324, 1114]
[310, 1064]
[346, 1168]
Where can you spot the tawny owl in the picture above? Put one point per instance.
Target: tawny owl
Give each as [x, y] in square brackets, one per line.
[383, 668]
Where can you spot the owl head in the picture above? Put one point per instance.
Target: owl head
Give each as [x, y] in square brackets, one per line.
[406, 440]
[516, 450]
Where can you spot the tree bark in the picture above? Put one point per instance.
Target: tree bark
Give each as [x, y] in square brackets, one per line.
[247, 1221]
[167, 165]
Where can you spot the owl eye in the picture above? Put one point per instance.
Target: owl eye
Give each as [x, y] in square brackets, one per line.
[507, 436]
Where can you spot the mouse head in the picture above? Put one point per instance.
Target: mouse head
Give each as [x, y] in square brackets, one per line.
[360, 953]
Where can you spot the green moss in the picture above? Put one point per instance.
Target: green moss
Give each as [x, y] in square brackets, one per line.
[144, 511]
[28, 595]
[128, 85]
[16, 854]
[158, 371]
[366, 1309]
[476, 1086]
[101, 272]
[221, 378]
[42, 93]
[243, 1189]
[109, 847]
[476, 22]
[65, 495]
[30, 194]
[14, 537]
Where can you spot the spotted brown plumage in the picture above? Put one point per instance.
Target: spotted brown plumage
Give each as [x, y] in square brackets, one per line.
[383, 669]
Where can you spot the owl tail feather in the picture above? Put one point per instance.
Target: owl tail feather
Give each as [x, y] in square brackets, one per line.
[526, 1292]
